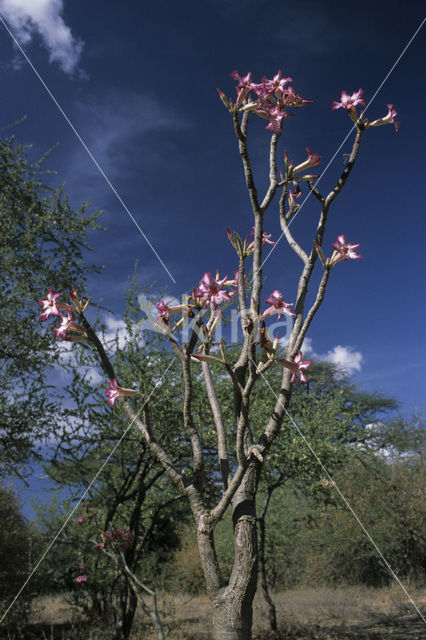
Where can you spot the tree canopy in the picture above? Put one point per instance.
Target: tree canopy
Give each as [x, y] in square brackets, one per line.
[44, 242]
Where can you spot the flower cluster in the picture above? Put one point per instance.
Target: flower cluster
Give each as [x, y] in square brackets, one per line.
[122, 537]
[348, 103]
[52, 307]
[268, 99]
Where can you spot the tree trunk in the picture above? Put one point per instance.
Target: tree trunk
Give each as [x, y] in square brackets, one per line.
[233, 603]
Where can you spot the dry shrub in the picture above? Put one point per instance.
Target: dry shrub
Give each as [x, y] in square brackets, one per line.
[185, 571]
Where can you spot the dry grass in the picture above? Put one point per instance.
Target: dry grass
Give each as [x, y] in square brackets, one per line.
[325, 613]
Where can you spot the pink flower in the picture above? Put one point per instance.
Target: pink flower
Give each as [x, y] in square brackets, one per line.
[243, 82]
[343, 250]
[80, 520]
[266, 239]
[115, 392]
[99, 546]
[66, 322]
[244, 86]
[82, 566]
[278, 305]
[275, 116]
[80, 579]
[300, 365]
[291, 98]
[313, 160]
[347, 102]
[276, 85]
[49, 305]
[211, 292]
[389, 118]
[296, 367]
[165, 311]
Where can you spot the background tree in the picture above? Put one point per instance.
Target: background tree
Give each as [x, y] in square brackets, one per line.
[43, 240]
[130, 518]
[330, 417]
[15, 547]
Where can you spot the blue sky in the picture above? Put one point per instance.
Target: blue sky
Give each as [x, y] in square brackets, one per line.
[138, 81]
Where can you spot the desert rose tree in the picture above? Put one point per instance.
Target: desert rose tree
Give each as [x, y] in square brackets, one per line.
[190, 330]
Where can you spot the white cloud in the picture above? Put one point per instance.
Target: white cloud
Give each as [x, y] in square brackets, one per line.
[348, 360]
[28, 18]
[345, 358]
[93, 376]
[115, 329]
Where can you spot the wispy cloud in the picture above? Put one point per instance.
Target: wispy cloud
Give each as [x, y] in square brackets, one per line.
[29, 18]
[112, 124]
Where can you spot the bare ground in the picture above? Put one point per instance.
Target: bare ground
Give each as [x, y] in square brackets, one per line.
[355, 613]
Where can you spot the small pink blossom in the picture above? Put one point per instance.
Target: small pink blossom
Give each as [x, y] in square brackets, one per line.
[80, 520]
[276, 85]
[99, 546]
[300, 365]
[275, 116]
[115, 392]
[347, 102]
[66, 324]
[244, 82]
[50, 306]
[278, 305]
[313, 160]
[243, 87]
[291, 98]
[211, 292]
[80, 579]
[296, 367]
[343, 250]
[389, 118]
[266, 239]
[164, 311]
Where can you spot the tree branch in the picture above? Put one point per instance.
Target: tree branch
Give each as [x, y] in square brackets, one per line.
[273, 180]
[222, 447]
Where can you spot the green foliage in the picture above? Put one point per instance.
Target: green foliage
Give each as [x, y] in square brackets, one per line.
[14, 544]
[131, 491]
[324, 544]
[42, 244]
